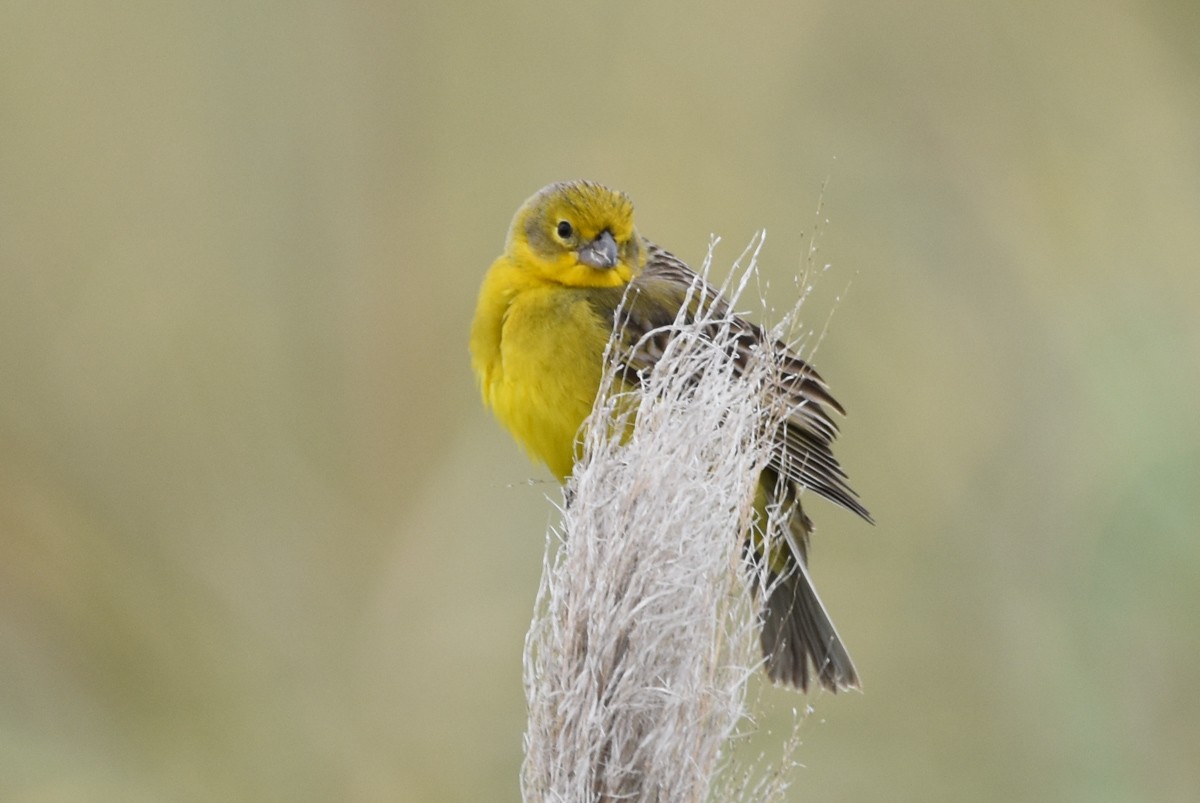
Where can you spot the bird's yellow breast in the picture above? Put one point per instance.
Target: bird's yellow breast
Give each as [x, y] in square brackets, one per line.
[537, 349]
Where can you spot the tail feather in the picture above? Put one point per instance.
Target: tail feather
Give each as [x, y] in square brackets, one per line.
[798, 634]
[798, 638]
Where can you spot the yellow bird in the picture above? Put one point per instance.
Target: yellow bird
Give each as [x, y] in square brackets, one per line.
[545, 314]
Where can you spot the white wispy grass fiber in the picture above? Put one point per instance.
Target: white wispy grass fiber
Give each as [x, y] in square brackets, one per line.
[645, 632]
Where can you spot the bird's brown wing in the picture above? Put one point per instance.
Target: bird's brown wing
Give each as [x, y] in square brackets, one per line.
[803, 447]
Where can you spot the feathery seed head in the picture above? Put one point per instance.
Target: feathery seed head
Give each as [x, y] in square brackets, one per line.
[578, 234]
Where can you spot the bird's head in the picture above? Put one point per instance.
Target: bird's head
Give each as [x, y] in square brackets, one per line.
[578, 234]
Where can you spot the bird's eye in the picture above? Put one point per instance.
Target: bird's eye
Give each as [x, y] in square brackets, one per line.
[564, 230]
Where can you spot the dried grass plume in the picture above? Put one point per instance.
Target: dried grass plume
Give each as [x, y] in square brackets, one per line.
[644, 635]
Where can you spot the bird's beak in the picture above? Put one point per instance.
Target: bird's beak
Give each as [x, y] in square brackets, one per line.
[600, 252]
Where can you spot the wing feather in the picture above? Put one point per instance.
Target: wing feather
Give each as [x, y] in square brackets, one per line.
[803, 451]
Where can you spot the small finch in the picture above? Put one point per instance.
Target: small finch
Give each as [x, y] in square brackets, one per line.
[573, 260]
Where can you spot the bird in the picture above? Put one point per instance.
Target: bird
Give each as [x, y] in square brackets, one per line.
[574, 270]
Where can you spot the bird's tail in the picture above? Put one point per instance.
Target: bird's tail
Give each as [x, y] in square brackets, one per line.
[798, 637]
[797, 633]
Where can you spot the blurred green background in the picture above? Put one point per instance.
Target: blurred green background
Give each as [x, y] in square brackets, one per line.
[259, 540]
